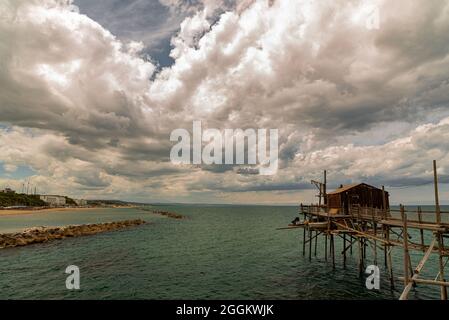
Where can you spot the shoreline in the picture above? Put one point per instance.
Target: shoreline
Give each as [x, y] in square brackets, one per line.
[12, 212]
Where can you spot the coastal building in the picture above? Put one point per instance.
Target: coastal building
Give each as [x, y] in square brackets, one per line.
[359, 195]
[80, 202]
[54, 201]
[7, 190]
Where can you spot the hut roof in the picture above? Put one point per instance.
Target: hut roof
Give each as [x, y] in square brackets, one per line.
[350, 186]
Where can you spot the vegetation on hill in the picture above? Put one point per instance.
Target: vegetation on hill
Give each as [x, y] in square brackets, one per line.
[70, 201]
[20, 199]
[101, 203]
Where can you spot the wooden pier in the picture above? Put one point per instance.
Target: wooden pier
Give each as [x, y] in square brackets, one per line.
[380, 229]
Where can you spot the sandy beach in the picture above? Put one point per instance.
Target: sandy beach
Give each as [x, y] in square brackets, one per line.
[46, 210]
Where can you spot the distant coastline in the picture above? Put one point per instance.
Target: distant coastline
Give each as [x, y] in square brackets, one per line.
[11, 212]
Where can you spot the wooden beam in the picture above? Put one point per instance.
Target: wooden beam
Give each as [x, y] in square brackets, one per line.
[415, 225]
[408, 287]
[431, 282]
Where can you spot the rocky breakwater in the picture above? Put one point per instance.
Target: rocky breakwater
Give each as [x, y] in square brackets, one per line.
[167, 214]
[45, 234]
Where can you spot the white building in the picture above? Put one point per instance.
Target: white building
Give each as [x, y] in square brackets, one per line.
[7, 190]
[80, 202]
[54, 201]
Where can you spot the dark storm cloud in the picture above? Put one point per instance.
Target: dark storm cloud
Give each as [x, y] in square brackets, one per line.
[89, 107]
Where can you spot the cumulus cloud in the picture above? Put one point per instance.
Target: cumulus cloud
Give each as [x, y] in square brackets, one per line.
[87, 108]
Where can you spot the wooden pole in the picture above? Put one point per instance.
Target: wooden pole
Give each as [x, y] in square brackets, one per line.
[384, 228]
[360, 263]
[405, 244]
[310, 244]
[304, 241]
[375, 234]
[388, 253]
[321, 194]
[332, 251]
[421, 231]
[303, 233]
[384, 202]
[325, 247]
[325, 187]
[344, 250]
[437, 201]
[350, 249]
[431, 282]
[443, 291]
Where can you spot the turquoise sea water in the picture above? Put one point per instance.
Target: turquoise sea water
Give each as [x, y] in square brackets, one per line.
[218, 252]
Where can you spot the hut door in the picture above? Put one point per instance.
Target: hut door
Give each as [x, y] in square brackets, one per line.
[354, 200]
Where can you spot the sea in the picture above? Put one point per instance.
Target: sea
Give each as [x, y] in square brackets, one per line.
[216, 252]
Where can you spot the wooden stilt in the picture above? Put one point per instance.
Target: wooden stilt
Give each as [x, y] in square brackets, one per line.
[303, 233]
[388, 249]
[344, 251]
[405, 244]
[304, 241]
[325, 247]
[310, 244]
[360, 263]
[332, 251]
[374, 225]
[421, 231]
[364, 251]
[443, 292]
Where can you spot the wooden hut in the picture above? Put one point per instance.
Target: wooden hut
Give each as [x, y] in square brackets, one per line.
[356, 195]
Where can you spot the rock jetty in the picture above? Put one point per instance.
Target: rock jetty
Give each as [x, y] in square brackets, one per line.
[169, 214]
[45, 234]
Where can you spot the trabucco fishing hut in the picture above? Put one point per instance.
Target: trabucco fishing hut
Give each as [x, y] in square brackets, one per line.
[360, 215]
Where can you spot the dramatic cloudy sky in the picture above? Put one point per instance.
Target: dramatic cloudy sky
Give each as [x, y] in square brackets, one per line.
[90, 91]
